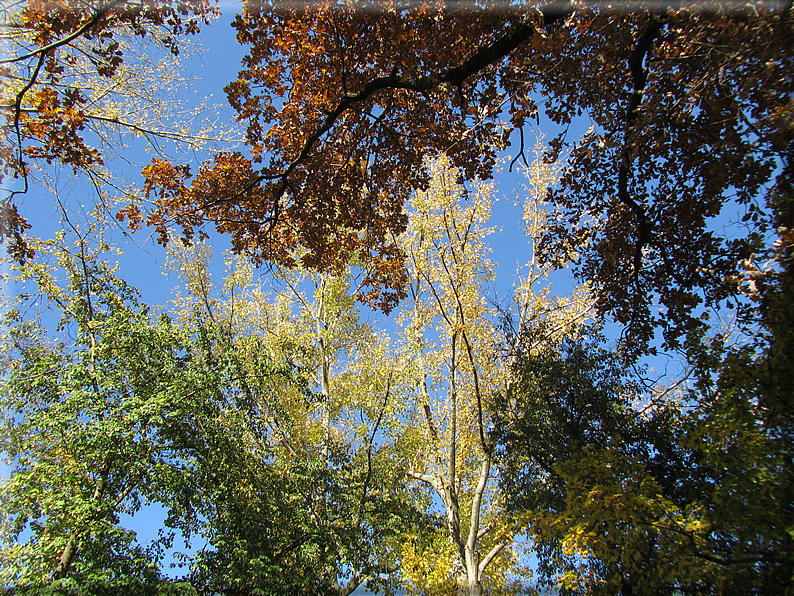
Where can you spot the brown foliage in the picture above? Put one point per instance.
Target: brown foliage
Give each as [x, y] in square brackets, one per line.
[342, 109]
[690, 108]
[704, 137]
[45, 112]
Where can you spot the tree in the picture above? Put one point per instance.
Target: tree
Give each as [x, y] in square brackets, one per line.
[80, 79]
[689, 105]
[447, 270]
[81, 430]
[451, 336]
[742, 427]
[594, 474]
[126, 408]
[630, 494]
[324, 437]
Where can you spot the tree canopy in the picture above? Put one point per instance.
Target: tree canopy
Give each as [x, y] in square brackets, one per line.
[690, 109]
[342, 104]
[308, 445]
[80, 79]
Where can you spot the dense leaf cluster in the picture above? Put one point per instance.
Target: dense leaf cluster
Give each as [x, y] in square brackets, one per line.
[130, 409]
[630, 498]
[690, 111]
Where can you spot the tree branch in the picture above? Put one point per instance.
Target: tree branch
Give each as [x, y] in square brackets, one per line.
[369, 451]
[485, 472]
[431, 479]
[490, 556]
[639, 76]
[101, 12]
[480, 60]
[369, 571]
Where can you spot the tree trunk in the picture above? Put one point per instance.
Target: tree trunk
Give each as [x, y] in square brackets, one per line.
[65, 560]
[325, 388]
[465, 589]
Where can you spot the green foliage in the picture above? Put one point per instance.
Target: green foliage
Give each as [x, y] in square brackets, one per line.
[630, 494]
[81, 436]
[567, 395]
[202, 417]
